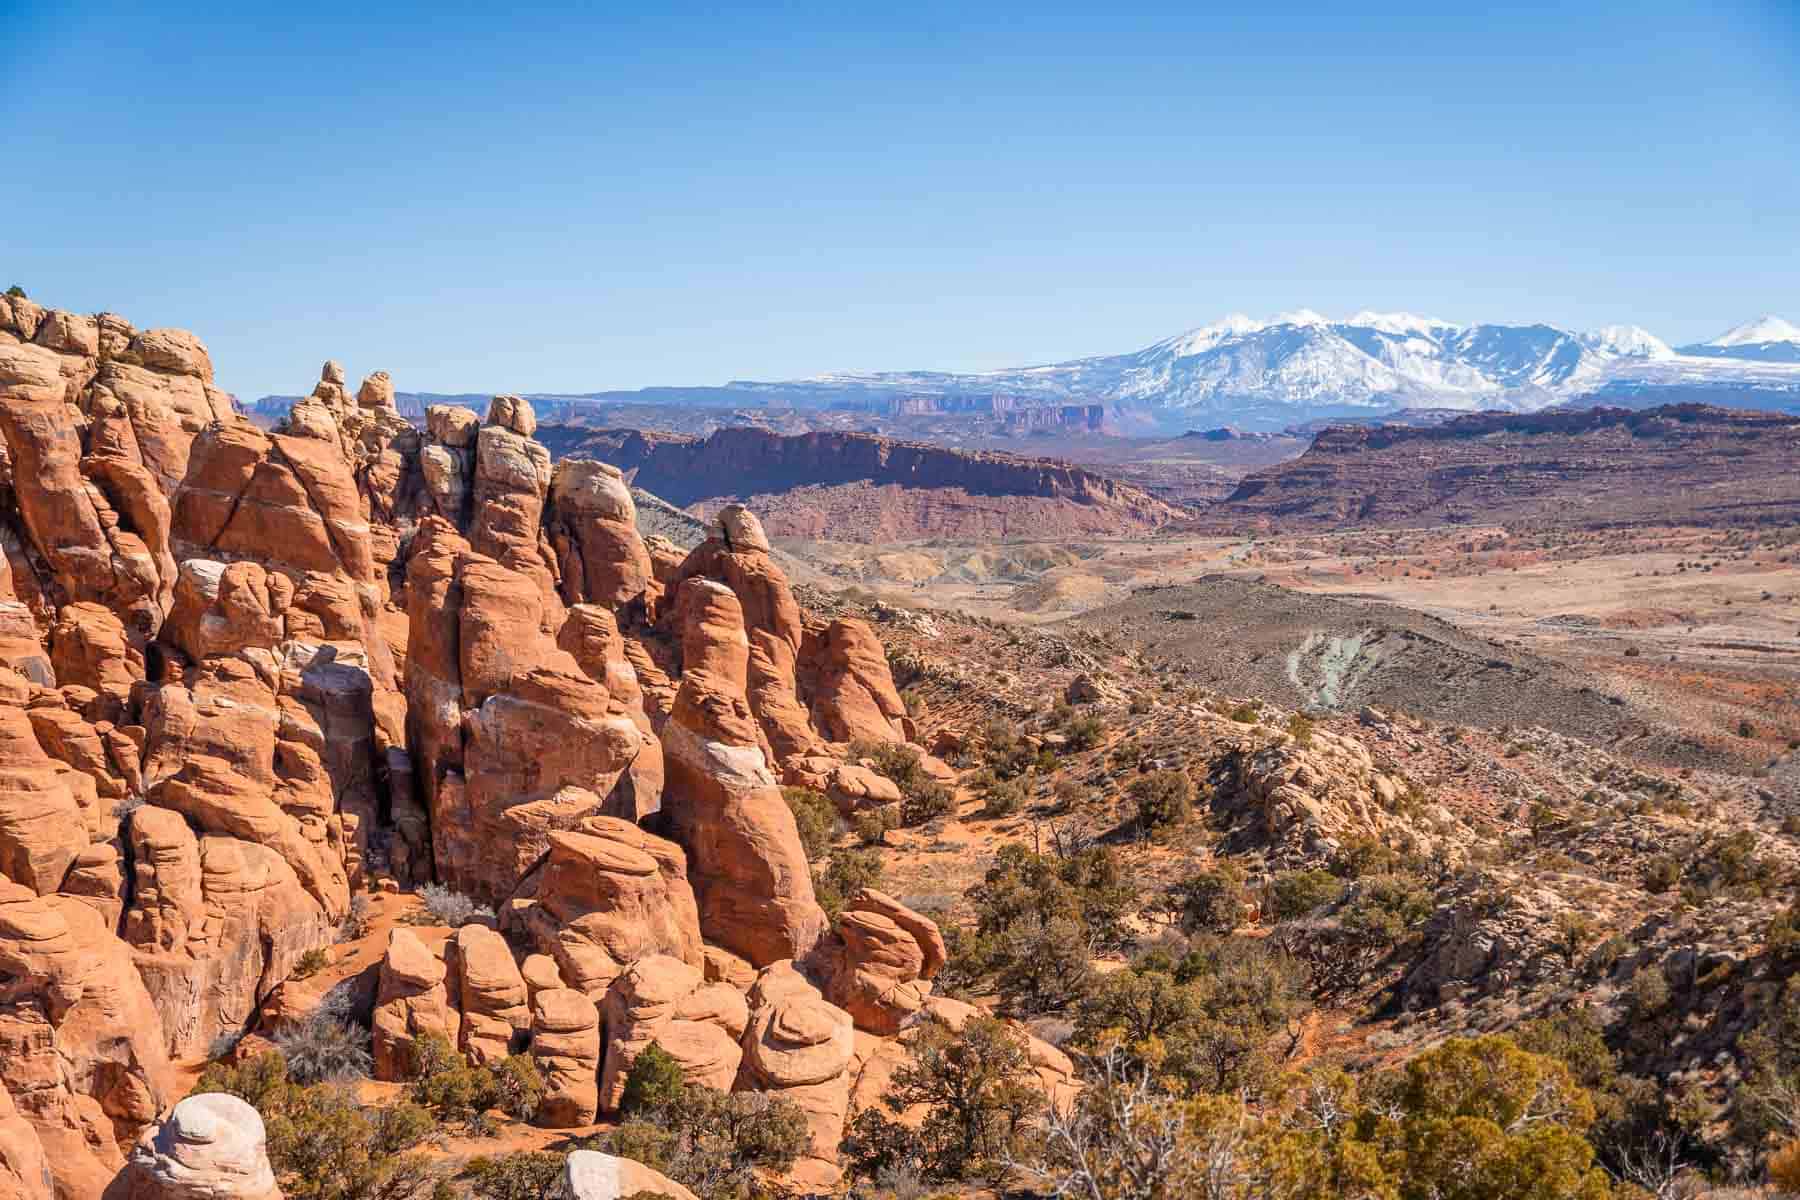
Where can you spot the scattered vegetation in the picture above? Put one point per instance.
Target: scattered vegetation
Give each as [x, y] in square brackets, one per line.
[922, 797]
[357, 921]
[1039, 922]
[311, 963]
[461, 1093]
[1294, 894]
[327, 1046]
[713, 1142]
[326, 1145]
[979, 1096]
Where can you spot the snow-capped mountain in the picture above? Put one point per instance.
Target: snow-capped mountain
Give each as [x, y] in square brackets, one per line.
[1766, 339]
[1301, 364]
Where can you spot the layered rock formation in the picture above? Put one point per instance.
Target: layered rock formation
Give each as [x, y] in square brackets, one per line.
[818, 484]
[245, 674]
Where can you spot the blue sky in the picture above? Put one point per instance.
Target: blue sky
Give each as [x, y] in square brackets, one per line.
[482, 197]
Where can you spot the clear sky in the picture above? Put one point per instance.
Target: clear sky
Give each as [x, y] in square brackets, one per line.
[484, 197]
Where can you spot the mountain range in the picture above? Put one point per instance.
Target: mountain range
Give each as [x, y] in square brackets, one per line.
[1301, 366]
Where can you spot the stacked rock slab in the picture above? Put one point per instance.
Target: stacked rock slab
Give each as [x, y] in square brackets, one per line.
[187, 626]
[607, 895]
[512, 740]
[799, 1047]
[888, 957]
[565, 1040]
[668, 1002]
[412, 1000]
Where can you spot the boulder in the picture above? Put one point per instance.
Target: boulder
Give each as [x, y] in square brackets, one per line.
[737, 555]
[606, 896]
[881, 976]
[593, 525]
[845, 670]
[591, 1175]
[211, 1147]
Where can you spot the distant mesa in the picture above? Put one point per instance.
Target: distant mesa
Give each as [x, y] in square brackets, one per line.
[1679, 464]
[855, 486]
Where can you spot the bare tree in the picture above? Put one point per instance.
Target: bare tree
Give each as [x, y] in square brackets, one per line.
[1656, 1165]
[1125, 1140]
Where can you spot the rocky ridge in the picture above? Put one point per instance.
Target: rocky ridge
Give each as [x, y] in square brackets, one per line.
[888, 490]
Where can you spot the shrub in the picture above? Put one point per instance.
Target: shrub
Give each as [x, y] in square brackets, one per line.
[326, 1047]
[1247, 712]
[927, 802]
[977, 1091]
[872, 825]
[1161, 800]
[523, 1175]
[1661, 873]
[1039, 920]
[518, 1086]
[1084, 732]
[1363, 855]
[1211, 900]
[848, 872]
[461, 1093]
[325, 1145]
[1385, 910]
[1006, 751]
[446, 906]
[815, 817]
[1469, 1119]
[1003, 798]
[310, 963]
[656, 1081]
[357, 920]
[713, 1142]
[922, 797]
[1300, 728]
[1295, 893]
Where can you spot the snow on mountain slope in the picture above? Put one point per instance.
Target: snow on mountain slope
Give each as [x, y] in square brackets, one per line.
[1630, 340]
[1300, 365]
[1302, 362]
[1757, 332]
[1766, 339]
